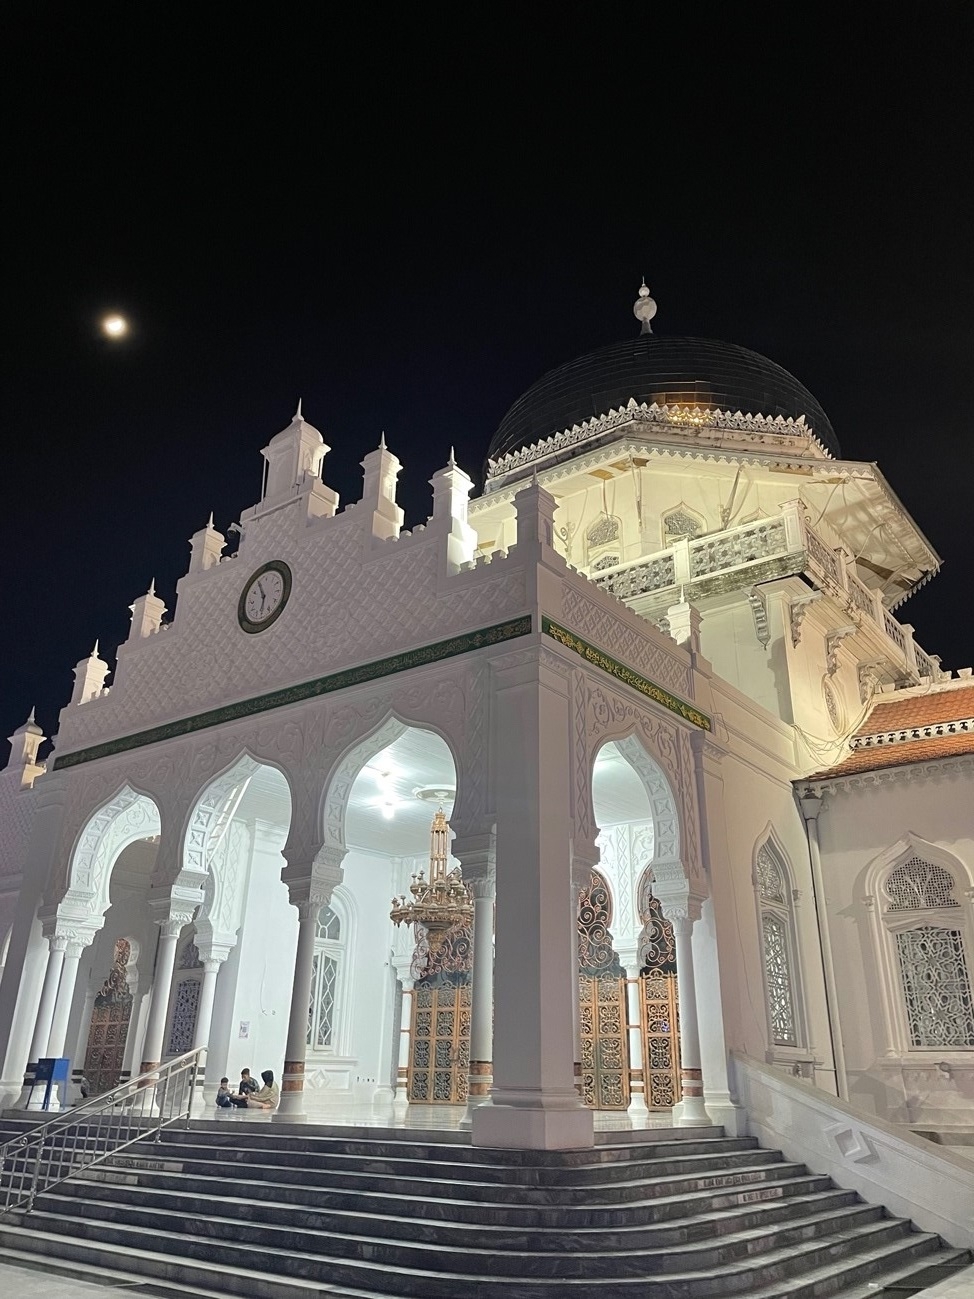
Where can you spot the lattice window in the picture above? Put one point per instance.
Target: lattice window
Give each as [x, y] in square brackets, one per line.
[936, 986]
[679, 524]
[778, 981]
[918, 885]
[771, 885]
[607, 561]
[603, 531]
[326, 978]
[779, 946]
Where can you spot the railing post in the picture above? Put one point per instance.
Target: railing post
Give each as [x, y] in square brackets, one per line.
[792, 513]
[909, 648]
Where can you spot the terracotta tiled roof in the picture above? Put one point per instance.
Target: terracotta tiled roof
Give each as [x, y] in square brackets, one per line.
[915, 711]
[921, 710]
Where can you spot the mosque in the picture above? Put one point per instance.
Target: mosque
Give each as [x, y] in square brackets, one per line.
[641, 728]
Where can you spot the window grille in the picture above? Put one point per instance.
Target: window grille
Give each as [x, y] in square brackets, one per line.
[918, 885]
[777, 975]
[607, 561]
[770, 883]
[778, 946]
[603, 531]
[936, 986]
[678, 523]
[325, 973]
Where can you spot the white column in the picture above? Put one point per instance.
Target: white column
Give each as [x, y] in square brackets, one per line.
[482, 997]
[204, 1013]
[45, 1011]
[65, 996]
[534, 1101]
[161, 990]
[292, 1084]
[32, 1098]
[690, 1112]
[638, 1106]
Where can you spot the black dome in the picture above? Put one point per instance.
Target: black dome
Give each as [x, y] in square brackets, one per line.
[699, 372]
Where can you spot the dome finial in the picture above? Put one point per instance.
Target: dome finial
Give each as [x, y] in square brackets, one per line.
[644, 309]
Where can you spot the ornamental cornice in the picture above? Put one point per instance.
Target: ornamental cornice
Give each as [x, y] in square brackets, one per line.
[906, 735]
[757, 428]
[952, 768]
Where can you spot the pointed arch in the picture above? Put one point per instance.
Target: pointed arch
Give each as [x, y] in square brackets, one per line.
[338, 786]
[126, 817]
[781, 966]
[920, 902]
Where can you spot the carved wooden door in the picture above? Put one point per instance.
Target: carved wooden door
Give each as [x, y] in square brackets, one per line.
[602, 1017]
[439, 1036]
[659, 1008]
[108, 1033]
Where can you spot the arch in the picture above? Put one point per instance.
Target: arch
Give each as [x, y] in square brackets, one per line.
[921, 908]
[681, 523]
[772, 877]
[338, 786]
[128, 816]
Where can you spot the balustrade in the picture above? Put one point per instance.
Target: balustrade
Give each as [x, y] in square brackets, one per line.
[786, 535]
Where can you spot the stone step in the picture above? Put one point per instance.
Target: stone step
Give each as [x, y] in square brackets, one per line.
[748, 1167]
[384, 1277]
[694, 1226]
[568, 1254]
[653, 1204]
[675, 1156]
[871, 1275]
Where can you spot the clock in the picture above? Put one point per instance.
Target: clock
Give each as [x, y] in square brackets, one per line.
[264, 596]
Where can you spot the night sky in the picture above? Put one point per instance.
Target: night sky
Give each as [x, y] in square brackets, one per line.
[406, 220]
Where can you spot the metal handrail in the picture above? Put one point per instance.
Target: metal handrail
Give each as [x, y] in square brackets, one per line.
[91, 1132]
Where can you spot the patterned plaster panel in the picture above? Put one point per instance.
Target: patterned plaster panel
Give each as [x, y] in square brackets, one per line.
[349, 604]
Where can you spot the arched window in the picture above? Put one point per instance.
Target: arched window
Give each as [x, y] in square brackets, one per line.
[603, 542]
[779, 948]
[925, 923]
[326, 980]
[681, 524]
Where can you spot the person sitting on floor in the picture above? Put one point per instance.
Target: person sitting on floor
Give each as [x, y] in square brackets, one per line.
[246, 1089]
[223, 1095]
[268, 1096]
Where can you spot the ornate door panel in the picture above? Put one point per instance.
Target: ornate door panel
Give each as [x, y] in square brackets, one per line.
[439, 1037]
[602, 1014]
[107, 1035]
[439, 1058]
[659, 1007]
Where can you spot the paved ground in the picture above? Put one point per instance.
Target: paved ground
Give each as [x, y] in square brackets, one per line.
[26, 1283]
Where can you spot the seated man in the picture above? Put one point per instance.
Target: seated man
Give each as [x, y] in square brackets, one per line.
[246, 1089]
[268, 1096]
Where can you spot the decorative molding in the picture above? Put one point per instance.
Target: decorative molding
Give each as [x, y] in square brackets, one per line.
[832, 642]
[598, 658]
[355, 676]
[796, 613]
[759, 611]
[961, 726]
[925, 769]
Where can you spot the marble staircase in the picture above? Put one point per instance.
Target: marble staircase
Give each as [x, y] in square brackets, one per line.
[233, 1207]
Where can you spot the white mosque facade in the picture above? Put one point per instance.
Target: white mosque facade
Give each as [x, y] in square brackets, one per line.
[710, 799]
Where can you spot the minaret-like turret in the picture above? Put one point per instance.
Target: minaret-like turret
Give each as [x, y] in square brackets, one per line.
[644, 309]
[294, 459]
[207, 547]
[379, 491]
[146, 611]
[451, 492]
[24, 744]
[89, 677]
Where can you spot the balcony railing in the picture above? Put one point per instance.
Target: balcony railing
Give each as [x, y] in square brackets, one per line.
[760, 551]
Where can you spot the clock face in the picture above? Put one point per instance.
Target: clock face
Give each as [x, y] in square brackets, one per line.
[264, 597]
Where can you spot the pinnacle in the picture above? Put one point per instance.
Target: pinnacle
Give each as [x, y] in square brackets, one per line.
[152, 584]
[297, 414]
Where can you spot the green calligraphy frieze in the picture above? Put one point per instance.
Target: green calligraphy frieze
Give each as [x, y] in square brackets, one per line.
[598, 658]
[356, 676]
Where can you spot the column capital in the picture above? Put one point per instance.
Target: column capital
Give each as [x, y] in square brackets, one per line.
[681, 917]
[171, 914]
[58, 942]
[481, 886]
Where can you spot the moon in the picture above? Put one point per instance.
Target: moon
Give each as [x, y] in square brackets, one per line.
[114, 326]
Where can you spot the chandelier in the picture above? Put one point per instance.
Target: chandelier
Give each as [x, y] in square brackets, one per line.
[440, 902]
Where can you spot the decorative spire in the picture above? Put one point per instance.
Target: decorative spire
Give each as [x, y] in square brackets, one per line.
[94, 652]
[209, 524]
[152, 584]
[644, 309]
[452, 462]
[297, 413]
[382, 440]
[31, 720]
